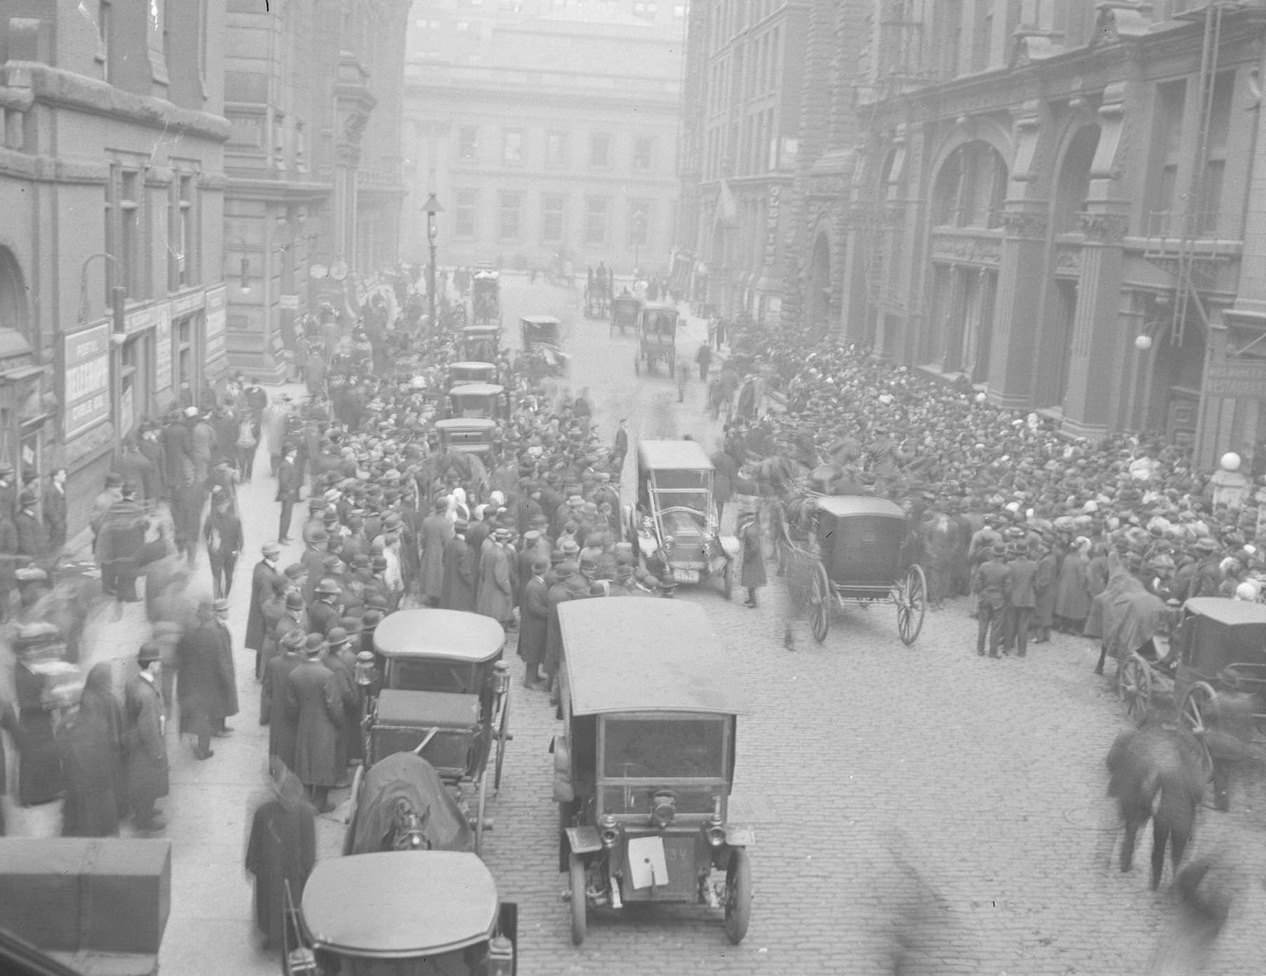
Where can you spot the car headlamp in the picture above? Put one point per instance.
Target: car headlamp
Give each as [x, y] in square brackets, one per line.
[500, 956]
[715, 831]
[609, 830]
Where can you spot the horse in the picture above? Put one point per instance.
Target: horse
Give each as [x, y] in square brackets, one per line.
[1157, 774]
[408, 830]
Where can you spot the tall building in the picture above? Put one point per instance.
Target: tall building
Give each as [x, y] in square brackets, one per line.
[313, 98]
[1064, 204]
[741, 114]
[552, 135]
[111, 182]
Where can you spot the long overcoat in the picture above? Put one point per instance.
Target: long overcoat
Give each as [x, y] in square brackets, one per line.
[436, 531]
[752, 574]
[495, 596]
[143, 741]
[534, 624]
[314, 705]
[282, 729]
[39, 765]
[281, 849]
[263, 580]
[458, 591]
[205, 687]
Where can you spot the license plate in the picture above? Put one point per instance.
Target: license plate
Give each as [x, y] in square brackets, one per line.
[740, 836]
[685, 576]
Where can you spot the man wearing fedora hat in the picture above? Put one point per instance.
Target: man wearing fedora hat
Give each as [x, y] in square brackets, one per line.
[341, 660]
[145, 750]
[990, 583]
[325, 612]
[458, 589]
[272, 699]
[314, 704]
[265, 580]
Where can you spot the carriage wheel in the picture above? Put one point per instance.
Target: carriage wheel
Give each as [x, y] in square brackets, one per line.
[912, 604]
[820, 604]
[502, 736]
[579, 908]
[480, 807]
[351, 814]
[738, 895]
[1135, 687]
[1194, 716]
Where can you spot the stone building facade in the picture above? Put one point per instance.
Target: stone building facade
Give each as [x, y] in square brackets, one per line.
[530, 162]
[1062, 204]
[112, 184]
[313, 99]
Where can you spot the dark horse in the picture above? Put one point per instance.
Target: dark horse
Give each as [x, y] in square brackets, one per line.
[1157, 774]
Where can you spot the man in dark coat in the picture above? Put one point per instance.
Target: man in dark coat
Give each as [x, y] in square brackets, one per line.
[314, 704]
[204, 686]
[222, 533]
[220, 624]
[534, 624]
[146, 751]
[991, 582]
[340, 659]
[55, 510]
[32, 536]
[264, 578]
[1021, 597]
[177, 444]
[458, 590]
[289, 481]
[436, 531]
[282, 730]
[325, 612]
[280, 852]
[752, 574]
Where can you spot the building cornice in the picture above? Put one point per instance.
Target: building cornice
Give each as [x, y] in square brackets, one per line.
[64, 89]
[277, 191]
[50, 169]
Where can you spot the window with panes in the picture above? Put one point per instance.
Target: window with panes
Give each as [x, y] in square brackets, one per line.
[600, 150]
[556, 149]
[553, 212]
[643, 153]
[597, 214]
[512, 147]
[467, 143]
[464, 214]
[639, 225]
[130, 254]
[511, 206]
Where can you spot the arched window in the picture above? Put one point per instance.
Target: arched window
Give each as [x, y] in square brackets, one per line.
[970, 187]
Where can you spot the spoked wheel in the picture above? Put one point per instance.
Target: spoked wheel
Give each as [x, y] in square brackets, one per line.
[912, 603]
[480, 809]
[738, 895]
[1194, 714]
[579, 908]
[350, 833]
[820, 604]
[503, 734]
[1135, 687]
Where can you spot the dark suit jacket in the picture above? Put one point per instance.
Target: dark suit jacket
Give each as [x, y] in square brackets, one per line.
[263, 579]
[1022, 591]
[288, 482]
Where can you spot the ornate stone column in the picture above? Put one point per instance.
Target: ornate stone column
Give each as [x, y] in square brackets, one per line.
[1097, 328]
[1021, 267]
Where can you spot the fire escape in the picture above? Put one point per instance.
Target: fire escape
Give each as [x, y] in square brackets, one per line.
[1188, 243]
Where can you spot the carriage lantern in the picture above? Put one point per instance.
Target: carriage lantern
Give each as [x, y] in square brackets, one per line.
[500, 678]
[500, 956]
[366, 673]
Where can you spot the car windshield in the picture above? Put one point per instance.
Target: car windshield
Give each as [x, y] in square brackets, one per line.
[425, 674]
[658, 747]
[472, 406]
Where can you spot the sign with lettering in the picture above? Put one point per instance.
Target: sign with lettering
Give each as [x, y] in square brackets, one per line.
[217, 308]
[163, 354]
[148, 317]
[186, 304]
[288, 302]
[1241, 380]
[771, 226]
[87, 379]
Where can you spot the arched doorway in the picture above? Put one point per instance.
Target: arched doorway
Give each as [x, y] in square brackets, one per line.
[1055, 337]
[818, 287]
[14, 309]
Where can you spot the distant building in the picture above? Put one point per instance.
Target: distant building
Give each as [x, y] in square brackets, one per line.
[111, 185]
[312, 204]
[559, 136]
[1063, 204]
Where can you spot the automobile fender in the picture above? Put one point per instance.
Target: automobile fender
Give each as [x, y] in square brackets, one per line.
[730, 545]
[583, 840]
[564, 791]
[737, 836]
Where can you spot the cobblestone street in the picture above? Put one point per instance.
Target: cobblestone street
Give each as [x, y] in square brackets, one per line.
[854, 757]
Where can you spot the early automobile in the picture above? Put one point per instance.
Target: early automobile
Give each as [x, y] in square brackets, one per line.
[401, 913]
[445, 695]
[644, 766]
[474, 435]
[480, 342]
[471, 372]
[479, 400]
[657, 337]
[542, 340]
[624, 313]
[485, 298]
[675, 528]
[860, 549]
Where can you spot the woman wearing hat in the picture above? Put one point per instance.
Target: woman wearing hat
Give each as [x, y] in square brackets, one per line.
[91, 746]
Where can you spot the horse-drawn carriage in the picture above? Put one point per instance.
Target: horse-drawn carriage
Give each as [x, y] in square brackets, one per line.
[657, 337]
[445, 696]
[402, 804]
[597, 299]
[485, 298]
[625, 310]
[859, 549]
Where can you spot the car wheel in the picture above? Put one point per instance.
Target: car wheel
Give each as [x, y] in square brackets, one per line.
[579, 907]
[738, 895]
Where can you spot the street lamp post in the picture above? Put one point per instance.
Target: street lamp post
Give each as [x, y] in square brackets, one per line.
[432, 235]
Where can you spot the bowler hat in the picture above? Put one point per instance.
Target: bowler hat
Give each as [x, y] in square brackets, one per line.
[293, 640]
[337, 637]
[271, 549]
[328, 586]
[294, 600]
[313, 644]
[149, 652]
